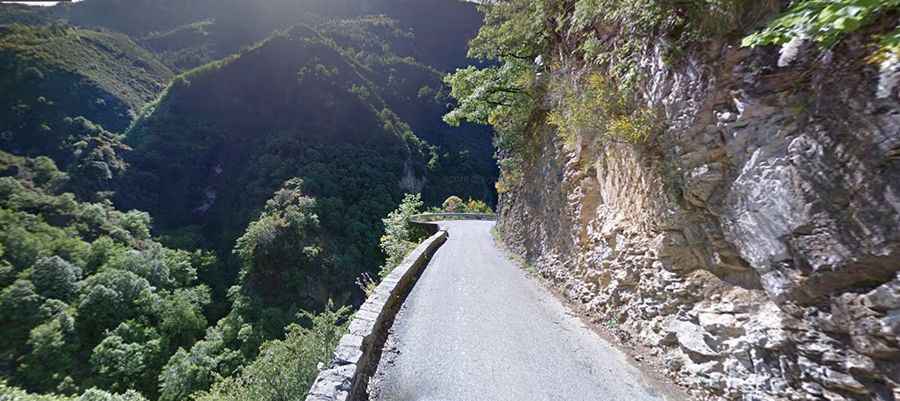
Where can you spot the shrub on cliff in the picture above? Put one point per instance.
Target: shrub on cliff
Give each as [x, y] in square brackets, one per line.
[598, 110]
[827, 22]
[400, 237]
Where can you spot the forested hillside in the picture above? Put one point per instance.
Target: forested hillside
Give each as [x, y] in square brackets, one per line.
[89, 298]
[50, 72]
[186, 34]
[256, 147]
[207, 154]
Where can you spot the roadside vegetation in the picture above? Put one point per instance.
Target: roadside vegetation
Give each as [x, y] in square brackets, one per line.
[401, 237]
[455, 204]
[827, 22]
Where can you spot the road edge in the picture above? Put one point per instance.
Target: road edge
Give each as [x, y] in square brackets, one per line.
[650, 365]
[358, 351]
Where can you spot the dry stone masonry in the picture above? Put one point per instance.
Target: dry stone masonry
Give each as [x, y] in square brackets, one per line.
[755, 245]
[358, 351]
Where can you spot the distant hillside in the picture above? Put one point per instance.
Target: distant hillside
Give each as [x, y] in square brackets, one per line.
[225, 136]
[190, 33]
[415, 91]
[48, 73]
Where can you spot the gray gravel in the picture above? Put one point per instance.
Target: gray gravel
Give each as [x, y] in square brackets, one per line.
[476, 328]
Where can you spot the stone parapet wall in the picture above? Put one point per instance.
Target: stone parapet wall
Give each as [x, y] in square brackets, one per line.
[358, 351]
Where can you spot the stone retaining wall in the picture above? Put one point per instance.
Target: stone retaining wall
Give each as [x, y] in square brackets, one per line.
[358, 351]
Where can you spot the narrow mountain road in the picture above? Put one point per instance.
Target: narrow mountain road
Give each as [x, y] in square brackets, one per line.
[476, 328]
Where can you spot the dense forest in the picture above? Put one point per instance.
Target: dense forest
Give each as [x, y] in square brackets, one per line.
[191, 191]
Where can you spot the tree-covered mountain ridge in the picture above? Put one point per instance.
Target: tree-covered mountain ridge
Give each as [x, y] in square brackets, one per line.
[54, 71]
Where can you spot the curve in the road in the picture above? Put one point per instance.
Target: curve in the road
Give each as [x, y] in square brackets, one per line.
[476, 328]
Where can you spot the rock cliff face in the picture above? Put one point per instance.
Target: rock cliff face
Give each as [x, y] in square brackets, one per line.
[755, 244]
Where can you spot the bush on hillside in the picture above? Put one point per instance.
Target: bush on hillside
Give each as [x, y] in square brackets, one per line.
[400, 237]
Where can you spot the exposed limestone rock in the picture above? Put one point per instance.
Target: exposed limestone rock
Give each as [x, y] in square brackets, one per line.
[693, 339]
[755, 244]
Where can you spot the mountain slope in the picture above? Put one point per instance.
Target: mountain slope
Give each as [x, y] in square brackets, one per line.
[416, 92]
[188, 34]
[224, 137]
[48, 73]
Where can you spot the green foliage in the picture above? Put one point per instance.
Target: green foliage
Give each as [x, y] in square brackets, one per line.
[400, 237]
[20, 306]
[89, 156]
[53, 277]
[53, 347]
[826, 22]
[188, 372]
[477, 206]
[162, 267]
[281, 254]
[95, 158]
[493, 95]
[128, 358]
[683, 21]
[82, 285]
[109, 297]
[288, 213]
[598, 110]
[684, 24]
[16, 394]
[285, 369]
[94, 394]
[181, 316]
[46, 174]
[515, 33]
[513, 30]
[53, 72]
[889, 48]
[503, 97]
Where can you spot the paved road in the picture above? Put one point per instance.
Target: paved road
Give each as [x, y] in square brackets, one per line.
[476, 328]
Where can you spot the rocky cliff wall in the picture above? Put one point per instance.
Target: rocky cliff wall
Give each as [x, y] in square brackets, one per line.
[754, 246]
